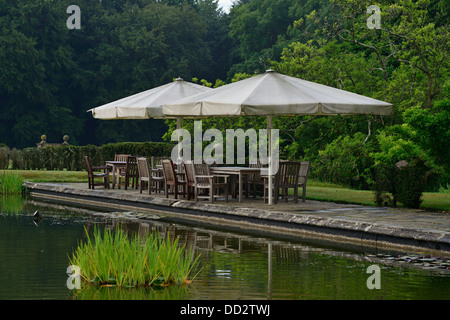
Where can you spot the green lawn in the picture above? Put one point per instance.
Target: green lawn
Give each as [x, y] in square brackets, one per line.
[327, 192]
[315, 190]
[53, 176]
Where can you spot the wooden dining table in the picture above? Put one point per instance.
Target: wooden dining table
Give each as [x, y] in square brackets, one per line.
[116, 166]
[240, 172]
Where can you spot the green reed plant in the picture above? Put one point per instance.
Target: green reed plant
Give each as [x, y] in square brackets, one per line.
[10, 183]
[112, 258]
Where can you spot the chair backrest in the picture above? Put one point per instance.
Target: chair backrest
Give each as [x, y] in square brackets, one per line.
[155, 161]
[131, 168]
[88, 165]
[121, 157]
[168, 171]
[303, 173]
[189, 171]
[202, 170]
[287, 174]
[257, 175]
[143, 167]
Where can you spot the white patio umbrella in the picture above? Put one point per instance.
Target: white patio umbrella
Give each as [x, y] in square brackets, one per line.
[147, 104]
[273, 94]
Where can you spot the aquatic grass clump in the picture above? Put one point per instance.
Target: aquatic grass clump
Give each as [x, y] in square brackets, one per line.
[115, 259]
[10, 183]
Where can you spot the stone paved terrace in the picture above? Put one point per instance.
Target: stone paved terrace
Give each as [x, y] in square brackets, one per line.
[377, 226]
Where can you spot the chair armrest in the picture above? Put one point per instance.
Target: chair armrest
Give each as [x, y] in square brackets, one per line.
[100, 167]
[221, 175]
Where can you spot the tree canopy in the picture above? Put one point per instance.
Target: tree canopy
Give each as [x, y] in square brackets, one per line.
[50, 75]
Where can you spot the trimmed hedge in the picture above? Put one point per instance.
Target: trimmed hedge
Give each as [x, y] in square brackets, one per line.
[71, 158]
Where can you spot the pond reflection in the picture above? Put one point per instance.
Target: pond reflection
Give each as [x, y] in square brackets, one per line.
[12, 204]
[34, 259]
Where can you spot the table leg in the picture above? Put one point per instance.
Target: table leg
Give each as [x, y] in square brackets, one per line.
[113, 177]
[240, 187]
[233, 186]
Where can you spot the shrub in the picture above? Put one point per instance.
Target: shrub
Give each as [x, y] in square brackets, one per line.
[401, 184]
[4, 157]
[72, 157]
[393, 181]
[345, 161]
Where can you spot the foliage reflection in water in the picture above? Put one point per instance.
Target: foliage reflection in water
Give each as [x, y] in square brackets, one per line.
[231, 266]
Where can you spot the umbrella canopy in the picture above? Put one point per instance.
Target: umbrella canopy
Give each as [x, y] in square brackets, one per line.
[272, 94]
[147, 104]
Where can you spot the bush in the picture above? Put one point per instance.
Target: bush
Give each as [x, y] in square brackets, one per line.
[345, 161]
[401, 184]
[394, 182]
[72, 157]
[4, 157]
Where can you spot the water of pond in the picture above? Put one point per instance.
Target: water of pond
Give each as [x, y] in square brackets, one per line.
[34, 260]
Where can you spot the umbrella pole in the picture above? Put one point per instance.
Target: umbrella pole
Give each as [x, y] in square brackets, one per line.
[269, 132]
[179, 159]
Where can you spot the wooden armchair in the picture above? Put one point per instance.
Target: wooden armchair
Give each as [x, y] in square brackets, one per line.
[144, 174]
[303, 177]
[213, 183]
[121, 157]
[157, 173]
[130, 174]
[255, 179]
[190, 178]
[92, 175]
[286, 178]
[172, 179]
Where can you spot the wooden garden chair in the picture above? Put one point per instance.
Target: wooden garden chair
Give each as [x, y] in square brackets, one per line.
[104, 175]
[172, 179]
[204, 180]
[286, 178]
[130, 174]
[303, 177]
[145, 176]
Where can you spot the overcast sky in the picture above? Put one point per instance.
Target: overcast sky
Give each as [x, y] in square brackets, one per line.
[225, 4]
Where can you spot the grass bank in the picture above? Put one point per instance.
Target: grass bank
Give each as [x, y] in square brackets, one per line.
[439, 201]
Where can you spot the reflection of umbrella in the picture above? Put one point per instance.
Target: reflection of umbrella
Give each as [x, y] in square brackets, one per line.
[147, 104]
[272, 94]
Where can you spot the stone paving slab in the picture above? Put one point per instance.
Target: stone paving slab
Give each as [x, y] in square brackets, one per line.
[413, 224]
